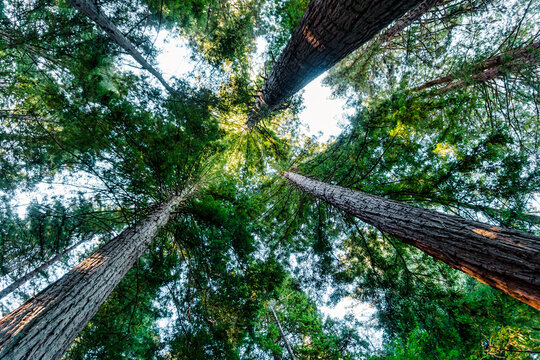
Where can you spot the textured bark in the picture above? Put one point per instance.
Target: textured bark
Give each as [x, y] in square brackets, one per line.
[20, 281]
[505, 259]
[489, 69]
[45, 326]
[90, 10]
[328, 31]
[281, 333]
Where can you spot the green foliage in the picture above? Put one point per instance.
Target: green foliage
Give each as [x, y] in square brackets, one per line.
[221, 31]
[246, 242]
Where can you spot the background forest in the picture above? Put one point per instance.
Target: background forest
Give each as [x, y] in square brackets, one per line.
[444, 114]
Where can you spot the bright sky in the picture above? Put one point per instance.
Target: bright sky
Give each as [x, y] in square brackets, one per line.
[322, 113]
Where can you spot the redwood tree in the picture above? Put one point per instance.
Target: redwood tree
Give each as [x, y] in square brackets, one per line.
[46, 325]
[505, 259]
[328, 31]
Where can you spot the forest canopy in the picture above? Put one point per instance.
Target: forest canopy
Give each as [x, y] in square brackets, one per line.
[155, 215]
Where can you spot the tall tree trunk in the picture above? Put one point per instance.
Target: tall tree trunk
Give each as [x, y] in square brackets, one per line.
[89, 9]
[280, 329]
[23, 279]
[328, 31]
[45, 326]
[489, 69]
[505, 259]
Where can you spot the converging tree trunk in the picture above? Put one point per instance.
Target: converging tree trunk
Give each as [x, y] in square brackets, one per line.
[45, 326]
[492, 68]
[28, 276]
[89, 9]
[505, 259]
[328, 31]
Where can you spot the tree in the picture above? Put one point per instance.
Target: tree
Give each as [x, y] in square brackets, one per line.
[90, 10]
[327, 33]
[381, 40]
[435, 45]
[66, 306]
[502, 258]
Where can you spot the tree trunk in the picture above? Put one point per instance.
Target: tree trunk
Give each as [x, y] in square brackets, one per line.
[281, 333]
[505, 259]
[23, 279]
[329, 31]
[90, 10]
[45, 326]
[489, 69]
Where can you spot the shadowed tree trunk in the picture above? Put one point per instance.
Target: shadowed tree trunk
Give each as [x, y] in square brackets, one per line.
[328, 31]
[45, 326]
[20, 281]
[505, 259]
[90, 10]
[489, 69]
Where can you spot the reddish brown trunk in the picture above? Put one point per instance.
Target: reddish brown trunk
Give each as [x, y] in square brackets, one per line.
[489, 69]
[45, 326]
[87, 8]
[328, 31]
[505, 259]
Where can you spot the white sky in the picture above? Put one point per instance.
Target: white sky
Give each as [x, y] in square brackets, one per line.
[322, 113]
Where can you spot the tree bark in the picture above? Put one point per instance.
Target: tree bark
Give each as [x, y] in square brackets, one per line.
[281, 333]
[489, 69]
[505, 259]
[328, 31]
[45, 326]
[90, 10]
[23, 279]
